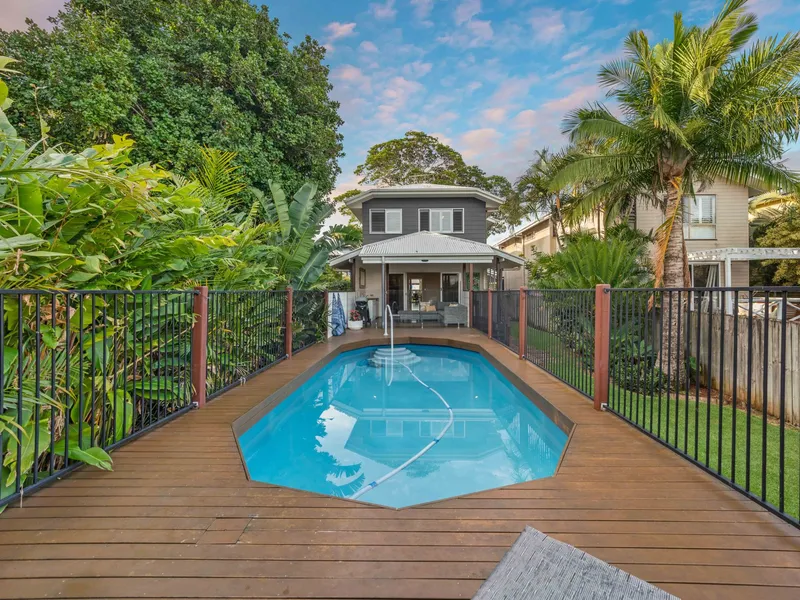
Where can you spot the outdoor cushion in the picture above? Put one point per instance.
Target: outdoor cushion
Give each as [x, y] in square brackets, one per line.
[537, 567]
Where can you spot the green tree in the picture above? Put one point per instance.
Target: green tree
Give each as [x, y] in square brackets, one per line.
[421, 158]
[694, 109]
[782, 231]
[180, 75]
[339, 205]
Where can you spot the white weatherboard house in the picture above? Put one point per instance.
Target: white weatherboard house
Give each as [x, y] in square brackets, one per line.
[421, 242]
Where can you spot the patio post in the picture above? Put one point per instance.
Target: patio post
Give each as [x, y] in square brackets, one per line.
[471, 296]
[489, 328]
[602, 336]
[523, 320]
[288, 321]
[199, 345]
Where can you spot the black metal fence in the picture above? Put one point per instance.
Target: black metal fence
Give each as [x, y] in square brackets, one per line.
[696, 370]
[246, 334]
[84, 371]
[480, 311]
[310, 318]
[560, 335]
[505, 318]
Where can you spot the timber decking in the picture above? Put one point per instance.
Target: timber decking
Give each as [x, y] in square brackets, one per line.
[177, 518]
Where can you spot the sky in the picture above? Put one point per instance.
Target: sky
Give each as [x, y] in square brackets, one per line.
[491, 78]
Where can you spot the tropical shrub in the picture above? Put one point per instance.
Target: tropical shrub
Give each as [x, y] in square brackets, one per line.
[619, 260]
[75, 363]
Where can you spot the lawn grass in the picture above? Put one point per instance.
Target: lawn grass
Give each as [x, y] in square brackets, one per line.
[694, 428]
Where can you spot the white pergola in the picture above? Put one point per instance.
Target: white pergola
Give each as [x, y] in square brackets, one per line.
[727, 255]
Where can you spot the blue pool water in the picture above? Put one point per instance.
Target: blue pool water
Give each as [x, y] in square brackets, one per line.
[346, 427]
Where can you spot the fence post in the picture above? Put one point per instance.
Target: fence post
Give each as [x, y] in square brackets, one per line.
[602, 336]
[489, 328]
[523, 320]
[199, 345]
[288, 321]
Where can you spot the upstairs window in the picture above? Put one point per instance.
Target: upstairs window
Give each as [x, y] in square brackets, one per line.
[441, 220]
[388, 220]
[700, 217]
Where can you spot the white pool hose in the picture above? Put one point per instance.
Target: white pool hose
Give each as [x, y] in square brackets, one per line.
[436, 440]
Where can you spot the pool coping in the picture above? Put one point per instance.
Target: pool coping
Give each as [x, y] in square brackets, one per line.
[244, 422]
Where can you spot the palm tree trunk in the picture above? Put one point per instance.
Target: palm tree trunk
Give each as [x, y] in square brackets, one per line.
[673, 334]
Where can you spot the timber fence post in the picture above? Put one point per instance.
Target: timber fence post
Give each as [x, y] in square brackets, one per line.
[523, 320]
[602, 337]
[199, 346]
[288, 321]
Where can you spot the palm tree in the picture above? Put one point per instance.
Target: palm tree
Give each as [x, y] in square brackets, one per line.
[694, 109]
[534, 192]
[769, 206]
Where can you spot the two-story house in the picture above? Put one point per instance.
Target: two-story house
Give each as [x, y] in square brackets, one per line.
[421, 242]
[715, 221]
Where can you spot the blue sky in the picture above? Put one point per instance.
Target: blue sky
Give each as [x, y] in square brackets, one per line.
[492, 78]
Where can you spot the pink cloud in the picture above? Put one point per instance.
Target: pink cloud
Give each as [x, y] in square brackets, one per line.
[479, 141]
[551, 25]
[494, 115]
[422, 8]
[367, 47]
[511, 89]
[417, 69]
[525, 119]
[337, 30]
[466, 10]
[574, 99]
[383, 12]
[352, 76]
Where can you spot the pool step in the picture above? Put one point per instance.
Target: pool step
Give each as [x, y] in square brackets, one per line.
[402, 356]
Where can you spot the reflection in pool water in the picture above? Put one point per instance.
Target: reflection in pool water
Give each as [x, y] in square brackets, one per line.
[346, 427]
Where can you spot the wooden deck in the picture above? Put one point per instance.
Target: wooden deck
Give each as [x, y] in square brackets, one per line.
[177, 518]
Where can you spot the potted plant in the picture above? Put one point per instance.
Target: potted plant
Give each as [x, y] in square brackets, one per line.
[355, 322]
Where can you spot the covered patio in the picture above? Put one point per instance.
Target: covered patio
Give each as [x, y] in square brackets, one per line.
[423, 272]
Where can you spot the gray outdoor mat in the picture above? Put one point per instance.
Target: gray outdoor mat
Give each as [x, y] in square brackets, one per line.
[539, 567]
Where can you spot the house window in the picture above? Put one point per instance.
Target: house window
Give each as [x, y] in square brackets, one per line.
[450, 287]
[386, 220]
[441, 220]
[700, 217]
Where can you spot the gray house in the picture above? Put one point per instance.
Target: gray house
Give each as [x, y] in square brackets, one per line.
[421, 242]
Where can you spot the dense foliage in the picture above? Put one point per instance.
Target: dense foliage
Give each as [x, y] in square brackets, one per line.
[782, 231]
[179, 75]
[84, 371]
[620, 260]
[421, 158]
[695, 108]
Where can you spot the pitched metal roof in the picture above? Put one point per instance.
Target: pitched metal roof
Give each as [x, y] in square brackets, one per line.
[425, 190]
[427, 245]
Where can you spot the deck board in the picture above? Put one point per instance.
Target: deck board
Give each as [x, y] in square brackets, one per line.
[177, 518]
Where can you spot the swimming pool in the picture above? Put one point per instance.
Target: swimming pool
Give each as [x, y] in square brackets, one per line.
[359, 419]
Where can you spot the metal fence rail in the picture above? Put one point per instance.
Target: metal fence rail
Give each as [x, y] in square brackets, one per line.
[310, 319]
[560, 336]
[480, 311]
[505, 318]
[86, 370]
[686, 373]
[246, 334]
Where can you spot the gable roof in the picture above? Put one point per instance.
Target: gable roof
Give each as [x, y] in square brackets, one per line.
[426, 246]
[425, 190]
[522, 230]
